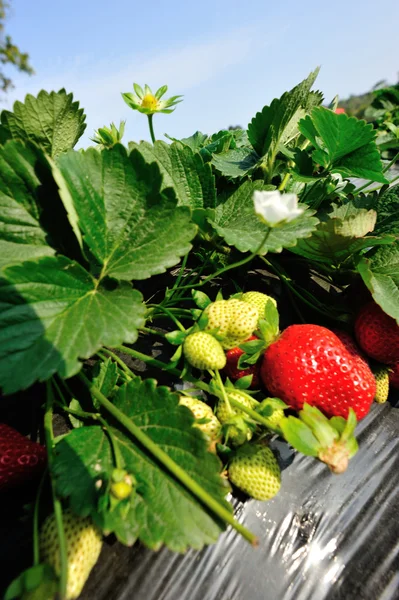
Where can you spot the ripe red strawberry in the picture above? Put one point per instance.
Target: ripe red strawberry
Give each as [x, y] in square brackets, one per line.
[309, 363]
[20, 459]
[234, 373]
[394, 375]
[377, 334]
[349, 343]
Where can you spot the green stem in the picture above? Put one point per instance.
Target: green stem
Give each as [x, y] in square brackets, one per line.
[150, 125]
[119, 361]
[230, 400]
[375, 189]
[284, 182]
[149, 360]
[389, 165]
[81, 414]
[253, 414]
[218, 379]
[49, 436]
[36, 534]
[152, 331]
[169, 294]
[182, 312]
[60, 393]
[157, 452]
[235, 265]
[286, 281]
[171, 316]
[201, 385]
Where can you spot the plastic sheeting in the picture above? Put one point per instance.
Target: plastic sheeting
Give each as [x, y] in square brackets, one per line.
[324, 537]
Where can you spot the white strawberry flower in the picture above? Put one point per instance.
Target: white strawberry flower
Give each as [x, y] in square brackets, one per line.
[275, 208]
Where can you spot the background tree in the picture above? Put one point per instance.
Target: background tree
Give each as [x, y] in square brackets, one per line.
[10, 54]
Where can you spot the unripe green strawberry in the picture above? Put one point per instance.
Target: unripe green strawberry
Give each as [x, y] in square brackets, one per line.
[201, 411]
[255, 471]
[218, 314]
[271, 409]
[276, 417]
[121, 490]
[235, 321]
[203, 351]
[237, 429]
[83, 542]
[258, 300]
[381, 375]
[225, 412]
[243, 319]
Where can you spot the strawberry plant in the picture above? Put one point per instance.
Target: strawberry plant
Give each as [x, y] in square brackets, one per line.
[172, 304]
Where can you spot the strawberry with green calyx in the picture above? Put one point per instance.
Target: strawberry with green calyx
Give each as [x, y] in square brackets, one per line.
[330, 440]
[309, 363]
[394, 375]
[236, 372]
[259, 300]
[250, 352]
[232, 321]
[272, 409]
[21, 460]
[237, 427]
[377, 334]
[269, 323]
[123, 484]
[205, 420]
[381, 375]
[203, 351]
[83, 545]
[255, 470]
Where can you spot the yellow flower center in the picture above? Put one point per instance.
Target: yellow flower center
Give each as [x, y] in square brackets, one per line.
[149, 101]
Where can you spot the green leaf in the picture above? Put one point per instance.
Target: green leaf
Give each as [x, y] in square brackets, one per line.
[75, 421]
[52, 120]
[53, 313]
[237, 223]
[343, 144]
[380, 273]
[341, 134]
[162, 512]
[32, 215]
[235, 163]
[278, 122]
[105, 377]
[249, 359]
[388, 211]
[244, 383]
[252, 347]
[319, 424]
[271, 315]
[201, 299]
[340, 234]
[349, 221]
[300, 436]
[176, 337]
[132, 229]
[36, 582]
[218, 143]
[195, 142]
[183, 170]
[11, 252]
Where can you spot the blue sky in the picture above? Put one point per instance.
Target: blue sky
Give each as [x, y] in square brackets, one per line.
[228, 57]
